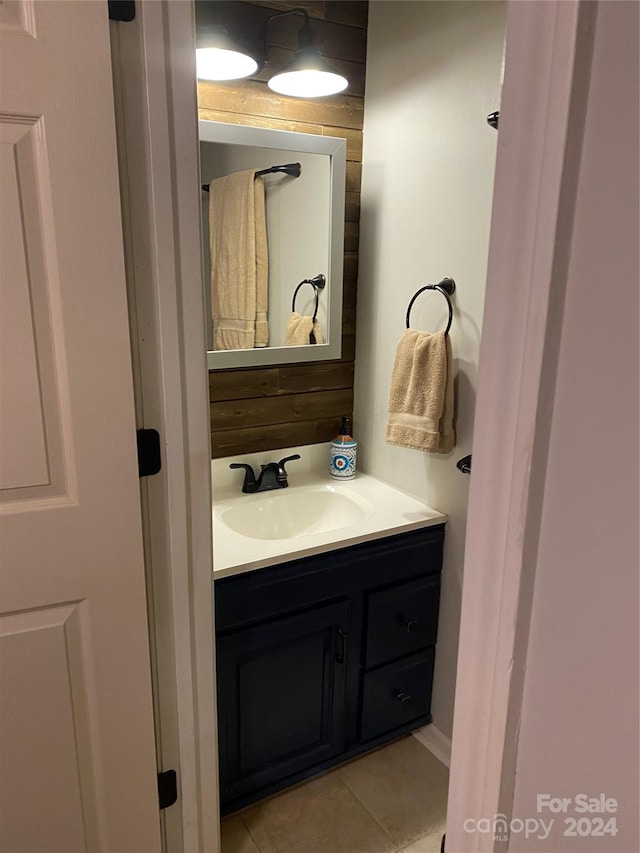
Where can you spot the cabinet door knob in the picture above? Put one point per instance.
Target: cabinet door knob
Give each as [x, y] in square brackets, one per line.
[404, 697]
[410, 624]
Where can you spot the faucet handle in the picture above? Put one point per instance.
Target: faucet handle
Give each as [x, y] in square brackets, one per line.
[249, 476]
[288, 459]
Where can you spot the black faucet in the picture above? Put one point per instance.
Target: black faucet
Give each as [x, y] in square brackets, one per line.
[272, 475]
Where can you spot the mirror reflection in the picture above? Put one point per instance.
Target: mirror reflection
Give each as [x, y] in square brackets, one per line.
[272, 222]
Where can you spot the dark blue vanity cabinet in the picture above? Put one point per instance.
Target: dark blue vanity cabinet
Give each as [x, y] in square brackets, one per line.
[322, 658]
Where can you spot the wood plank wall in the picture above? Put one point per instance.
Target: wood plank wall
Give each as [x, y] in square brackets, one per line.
[268, 408]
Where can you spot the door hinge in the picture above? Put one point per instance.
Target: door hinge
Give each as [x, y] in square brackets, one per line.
[122, 10]
[167, 788]
[149, 459]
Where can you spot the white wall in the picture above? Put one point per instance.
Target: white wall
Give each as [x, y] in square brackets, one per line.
[433, 75]
[579, 727]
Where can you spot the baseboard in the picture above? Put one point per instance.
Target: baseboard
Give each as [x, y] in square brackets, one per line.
[436, 742]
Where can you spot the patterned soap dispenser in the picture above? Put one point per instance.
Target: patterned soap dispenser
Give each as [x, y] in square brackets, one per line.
[343, 453]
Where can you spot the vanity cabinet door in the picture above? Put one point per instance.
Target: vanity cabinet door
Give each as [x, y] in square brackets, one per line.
[281, 698]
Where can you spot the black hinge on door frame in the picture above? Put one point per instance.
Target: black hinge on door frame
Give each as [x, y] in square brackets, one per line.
[149, 459]
[167, 788]
[121, 10]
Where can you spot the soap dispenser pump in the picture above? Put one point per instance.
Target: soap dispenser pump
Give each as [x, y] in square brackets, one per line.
[343, 453]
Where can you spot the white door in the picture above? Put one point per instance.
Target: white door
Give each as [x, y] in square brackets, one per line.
[77, 756]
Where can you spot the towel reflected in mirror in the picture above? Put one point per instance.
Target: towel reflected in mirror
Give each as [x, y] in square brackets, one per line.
[302, 331]
[239, 261]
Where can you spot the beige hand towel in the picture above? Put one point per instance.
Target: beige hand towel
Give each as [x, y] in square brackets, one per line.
[299, 329]
[421, 394]
[239, 262]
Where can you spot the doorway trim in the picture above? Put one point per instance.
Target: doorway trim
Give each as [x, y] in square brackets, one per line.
[156, 112]
[547, 67]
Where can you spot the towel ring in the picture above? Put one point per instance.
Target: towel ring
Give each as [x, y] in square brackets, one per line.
[446, 287]
[317, 282]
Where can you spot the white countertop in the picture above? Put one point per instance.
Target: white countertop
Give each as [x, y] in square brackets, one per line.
[389, 511]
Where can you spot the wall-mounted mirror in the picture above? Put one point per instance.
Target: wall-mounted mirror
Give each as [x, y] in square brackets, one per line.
[296, 218]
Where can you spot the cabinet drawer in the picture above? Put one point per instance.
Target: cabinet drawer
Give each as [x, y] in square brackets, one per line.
[255, 596]
[401, 620]
[396, 694]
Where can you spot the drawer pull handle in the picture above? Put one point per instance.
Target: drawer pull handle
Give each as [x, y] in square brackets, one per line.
[404, 697]
[341, 645]
[410, 624]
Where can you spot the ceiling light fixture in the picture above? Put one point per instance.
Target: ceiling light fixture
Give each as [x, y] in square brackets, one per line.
[219, 57]
[308, 75]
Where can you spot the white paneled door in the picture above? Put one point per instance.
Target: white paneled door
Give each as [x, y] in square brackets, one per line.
[77, 755]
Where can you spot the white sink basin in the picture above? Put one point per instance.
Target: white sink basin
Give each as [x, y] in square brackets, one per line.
[315, 514]
[291, 513]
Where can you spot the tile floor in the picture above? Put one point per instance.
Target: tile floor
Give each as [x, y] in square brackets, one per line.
[391, 801]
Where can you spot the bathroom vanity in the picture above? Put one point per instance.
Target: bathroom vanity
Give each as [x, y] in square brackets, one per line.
[323, 657]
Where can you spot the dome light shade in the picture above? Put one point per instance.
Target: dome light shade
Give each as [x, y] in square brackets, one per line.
[214, 63]
[308, 75]
[307, 83]
[218, 57]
